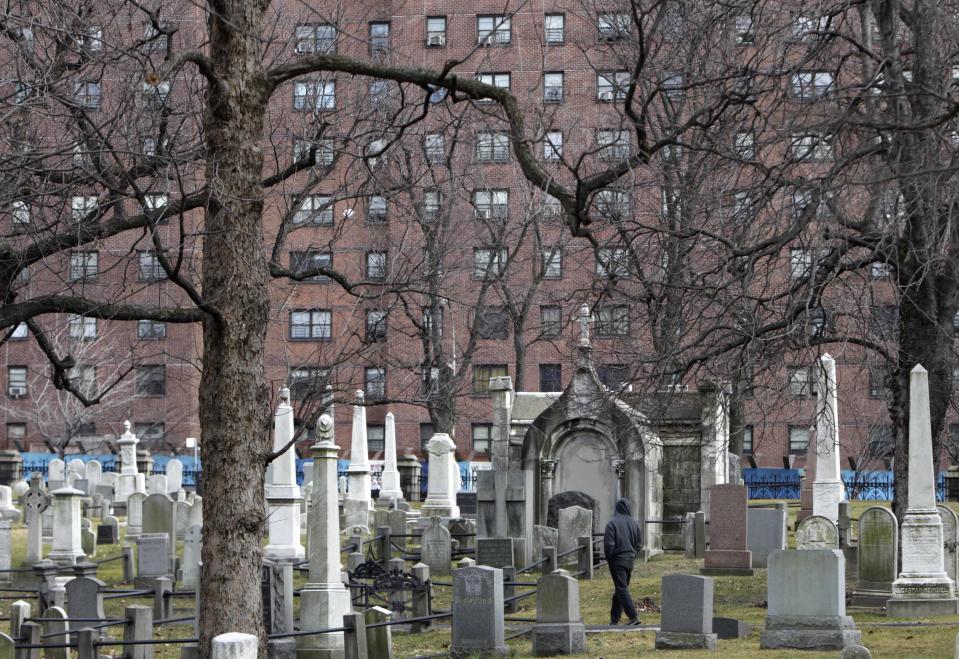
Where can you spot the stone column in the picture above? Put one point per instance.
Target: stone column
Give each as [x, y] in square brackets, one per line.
[828, 489]
[390, 480]
[923, 587]
[359, 501]
[547, 468]
[282, 493]
[438, 502]
[502, 390]
[67, 546]
[324, 600]
[130, 480]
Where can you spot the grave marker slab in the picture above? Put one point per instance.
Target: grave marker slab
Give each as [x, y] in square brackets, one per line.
[817, 532]
[494, 552]
[687, 613]
[559, 627]
[436, 548]
[574, 522]
[478, 626]
[728, 552]
[950, 540]
[766, 533]
[878, 556]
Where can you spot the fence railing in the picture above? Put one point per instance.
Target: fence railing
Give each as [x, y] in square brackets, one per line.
[857, 489]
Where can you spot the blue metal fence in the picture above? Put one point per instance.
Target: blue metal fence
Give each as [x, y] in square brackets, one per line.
[860, 486]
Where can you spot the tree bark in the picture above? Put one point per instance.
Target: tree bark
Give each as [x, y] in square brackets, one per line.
[234, 409]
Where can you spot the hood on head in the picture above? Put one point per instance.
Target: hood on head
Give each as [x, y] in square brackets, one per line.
[623, 507]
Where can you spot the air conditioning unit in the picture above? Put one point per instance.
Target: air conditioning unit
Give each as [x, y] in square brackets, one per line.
[436, 40]
[303, 48]
[487, 40]
[606, 96]
[17, 392]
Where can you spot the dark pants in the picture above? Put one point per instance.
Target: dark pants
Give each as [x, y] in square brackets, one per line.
[621, 569]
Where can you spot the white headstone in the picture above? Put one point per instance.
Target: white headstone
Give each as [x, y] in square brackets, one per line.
[130, 480]
[192, 548]
[441, 495]
[390, 478]
[135, 514]
[56, 471]
[174, 476]
[67, 546]
[359, 468]
[828, 489]
[94, 475]
[282, 492]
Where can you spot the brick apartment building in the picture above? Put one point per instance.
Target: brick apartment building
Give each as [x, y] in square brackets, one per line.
[469, 253]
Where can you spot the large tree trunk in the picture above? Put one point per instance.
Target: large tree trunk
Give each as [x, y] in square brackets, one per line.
[234, 408]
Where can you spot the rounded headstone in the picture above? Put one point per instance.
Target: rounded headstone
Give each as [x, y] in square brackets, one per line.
[855, 652]
[817, 532]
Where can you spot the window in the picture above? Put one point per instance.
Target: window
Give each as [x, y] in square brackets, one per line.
[811, 85]
[493, 30]
[742, 205]
[819, 322]
[488, 262]
[553, 87]
[553, 145]
[151, 433]
[84, 378]
[20, 332]
[428, 321]
[150, 267]
[612, 262]
[613, 376]
[612, 320]
[744, 143]
[885, 320]
[481, 435]
[672, 84]
[550, 320]
[501, 80]
[379, 92]
[375, 325]
[613, 144]
[426, 434]
[551, 206]
[375, 153]
[492, 147]
[303, 262]
[798, 440]
[431, 204]
[155, 96]
[87, 95]
[434, 144]
[314, 209]
[308, 382]
[612, 85]
[16, 381]
[374, 382]
[90, 40]
[375, 438]
[82, 206]
[811, 147]
[84, 265]
[554, 28]
[880, 270]
[806, 28]
[482, 375]
[747, 440]
[743, 32]
[21, 212]
[156, 204]
[376, 210]
[878, 377]
[322, 151]
[376, 266]
[552, 263]
[613, 26]
[151, 330]
[491, 204]
[81, 327]
[802, 382]
[315, 95]
[315, 38]
[151, 380]
[801, 264]
[550, 377]
[881, 441]
[379, 38]
[17, 434]
[311, 324]
[612, 204]
[492, 323]
[155, 39]
[435, 31]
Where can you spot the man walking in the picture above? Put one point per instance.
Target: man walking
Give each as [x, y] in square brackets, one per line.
[623, 538]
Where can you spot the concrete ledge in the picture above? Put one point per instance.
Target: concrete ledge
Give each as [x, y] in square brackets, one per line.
[685, 641]
[824, 623]
[875, 599]
[921, 608]
[808, 639]
[558, 638]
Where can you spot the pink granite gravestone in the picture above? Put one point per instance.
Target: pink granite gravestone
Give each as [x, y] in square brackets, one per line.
[727, 553]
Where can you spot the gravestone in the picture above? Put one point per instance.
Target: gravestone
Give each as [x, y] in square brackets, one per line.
[495, 552]
[728, 532]
[574, 523]
[84, 599]
[76, 470]
[192, 548]
[56, 474]
[559, 627]
[478, 626]
[153, 555]
[277, 596]
[56, 632]
[174, 476]
[67, 546]
[159, 516]
[878, 556]
[7, 511]
[182, 519]
[766, 533]
[35, 502]
[806, 593]
[950, 538]
[463, 531]
[108, 532]
[88, 540]
[543, 536]
[728, 628]
[565, 500]
[379, 640]
[436, 548]
[817, 532]
[135, 515]
[6, 553]
[466, 502]
[93, 472]
[687, 613]
[396, 520]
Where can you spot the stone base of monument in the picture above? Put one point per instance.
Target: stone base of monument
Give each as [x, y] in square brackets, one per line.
[726, 628]
[474, 653]
[558, 638]
[873, 598]
[728, 562]
[356, 513]
[921, 608]
[685, 641]
[809, 633]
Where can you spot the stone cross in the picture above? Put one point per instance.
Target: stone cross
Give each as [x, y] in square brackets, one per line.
[35, 501]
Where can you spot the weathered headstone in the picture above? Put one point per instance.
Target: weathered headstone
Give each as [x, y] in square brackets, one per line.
[543, 536]
[766, 533]
[441, 495]
[56, 632]
[396, 520]
[687, 613]
[574, 522]
[159, 516]
[108, 532]
[67, 546]
[478, 626]
[390, 477]
[135, 515]
[6, 551]
[807, 602]
[153, 555]
[56, 474]
[436, 548]
[88, 540]
[729, 628]
[174, 476]
[192, 548]
[728, 532]
[559, 628]
[76, 470]
[817, 532]
[84, 599]
[494, 552]
[828, 488]
[282, 493]
[35, 502]
[464, 532]
[878, 556]
[182, 519]
[379, 640]
[7, 511]
[359, 498]
[93, 472]
[950, 539]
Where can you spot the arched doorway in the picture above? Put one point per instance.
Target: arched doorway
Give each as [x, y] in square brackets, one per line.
[585, 463]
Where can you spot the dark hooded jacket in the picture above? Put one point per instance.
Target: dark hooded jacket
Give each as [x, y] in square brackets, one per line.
[623, 537]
